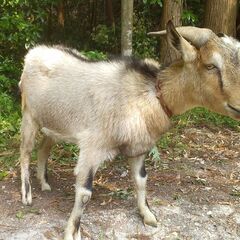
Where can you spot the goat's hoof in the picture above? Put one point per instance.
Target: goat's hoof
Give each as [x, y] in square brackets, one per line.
[27, 200]
[76, 236]
[150, 219]
[46, 187]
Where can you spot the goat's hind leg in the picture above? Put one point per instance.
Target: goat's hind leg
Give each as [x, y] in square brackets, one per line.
[43, 155]
[140, 178]
[28, 132]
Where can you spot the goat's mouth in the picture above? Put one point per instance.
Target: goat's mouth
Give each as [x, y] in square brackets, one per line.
[236, 111]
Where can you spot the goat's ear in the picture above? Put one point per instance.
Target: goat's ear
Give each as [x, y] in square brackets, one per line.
[175, 40]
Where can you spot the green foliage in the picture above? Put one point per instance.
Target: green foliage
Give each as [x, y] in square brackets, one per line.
[201, 116]
[20, 23]
[20, 215]
[65, 153]
[193, 12]
[235, 191]
[146, 19]
[104, 38]
[154, 153]
[9, 120]
[121, 193]
[94, 55]
[189, 18]
[159, 2]
[143, 46]
[9, 128]
[3, 174]
[9, 75]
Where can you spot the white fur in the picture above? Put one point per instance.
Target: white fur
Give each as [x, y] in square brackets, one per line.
[233, 43]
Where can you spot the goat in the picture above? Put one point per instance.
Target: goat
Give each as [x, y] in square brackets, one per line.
[119, 106]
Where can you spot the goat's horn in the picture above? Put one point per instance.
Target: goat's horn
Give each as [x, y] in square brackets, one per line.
[198, 36]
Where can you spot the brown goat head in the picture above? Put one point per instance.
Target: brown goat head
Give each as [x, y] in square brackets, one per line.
[210, 65]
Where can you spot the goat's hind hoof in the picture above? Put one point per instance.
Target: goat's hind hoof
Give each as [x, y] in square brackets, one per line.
[27, 200]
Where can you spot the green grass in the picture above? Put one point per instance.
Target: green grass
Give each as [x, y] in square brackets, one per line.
[201, 116]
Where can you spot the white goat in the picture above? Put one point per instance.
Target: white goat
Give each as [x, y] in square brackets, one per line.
[119, 106]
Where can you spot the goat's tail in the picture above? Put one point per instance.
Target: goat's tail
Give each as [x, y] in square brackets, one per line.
[23, 99]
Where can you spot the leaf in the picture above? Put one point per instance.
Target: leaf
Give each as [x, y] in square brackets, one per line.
[20, 215]
[154, 153]
[35, 211]
[3, 174]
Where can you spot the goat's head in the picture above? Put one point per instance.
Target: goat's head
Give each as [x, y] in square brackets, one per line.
[211, 63]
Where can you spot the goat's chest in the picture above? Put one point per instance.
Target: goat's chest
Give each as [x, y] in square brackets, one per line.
[141, 135]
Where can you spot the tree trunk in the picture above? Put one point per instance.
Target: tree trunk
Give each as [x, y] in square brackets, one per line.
[60, 12]
[238, 25]
[172, 10]
[127, 25]
[109, 13]
[221, 16]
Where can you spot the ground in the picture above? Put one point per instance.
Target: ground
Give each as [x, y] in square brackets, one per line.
[194, 190]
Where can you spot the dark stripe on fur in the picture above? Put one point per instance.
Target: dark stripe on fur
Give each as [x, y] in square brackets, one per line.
[140, 66]
[147, 204]
[146, 69]
[143, 172]
[46, 174]
[220, 80]
[220, 34]
[26, 188]
[89, 181]
[73, 53]
[77, 224]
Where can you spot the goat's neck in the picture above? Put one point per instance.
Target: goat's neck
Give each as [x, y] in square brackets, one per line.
[178, 90]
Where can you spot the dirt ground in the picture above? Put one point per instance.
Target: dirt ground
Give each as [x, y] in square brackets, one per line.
[194, 190]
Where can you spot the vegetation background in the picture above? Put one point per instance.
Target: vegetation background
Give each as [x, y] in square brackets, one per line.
[94, 28]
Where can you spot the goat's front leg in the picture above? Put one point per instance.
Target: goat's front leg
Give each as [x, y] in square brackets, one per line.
[140, 178]
[85, 171]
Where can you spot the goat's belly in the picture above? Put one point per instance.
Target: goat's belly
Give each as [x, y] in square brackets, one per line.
[57, 136]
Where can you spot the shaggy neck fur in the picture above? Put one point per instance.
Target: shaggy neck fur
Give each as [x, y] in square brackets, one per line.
[178, 89]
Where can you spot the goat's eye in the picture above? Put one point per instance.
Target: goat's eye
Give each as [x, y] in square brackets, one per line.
[210, 66]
